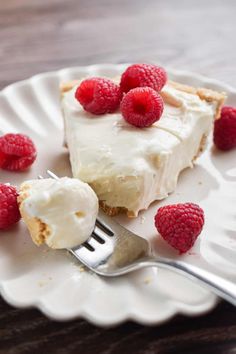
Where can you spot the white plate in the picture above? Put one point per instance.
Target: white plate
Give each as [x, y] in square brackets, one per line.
[58, 286]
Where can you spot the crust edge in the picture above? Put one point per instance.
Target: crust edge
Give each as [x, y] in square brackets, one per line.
[204, 94]
[38, 230]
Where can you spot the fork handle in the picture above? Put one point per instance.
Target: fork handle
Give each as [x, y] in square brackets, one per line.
[221, 287]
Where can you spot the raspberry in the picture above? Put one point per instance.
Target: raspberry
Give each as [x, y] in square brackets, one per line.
[98, 95]
[180, 224]
[142, 107]
[140, 75]
[225, 129]
[17, 152]
[9, 210]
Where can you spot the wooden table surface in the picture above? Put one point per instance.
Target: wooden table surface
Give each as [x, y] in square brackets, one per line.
[37, 36]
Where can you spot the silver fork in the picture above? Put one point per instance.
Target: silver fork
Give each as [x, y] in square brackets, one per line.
[112, 251]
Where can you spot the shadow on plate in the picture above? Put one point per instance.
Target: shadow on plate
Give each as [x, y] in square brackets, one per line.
[60, 164]
[225, 163]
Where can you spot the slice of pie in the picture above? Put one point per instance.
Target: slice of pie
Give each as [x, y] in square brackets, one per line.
[129, 167]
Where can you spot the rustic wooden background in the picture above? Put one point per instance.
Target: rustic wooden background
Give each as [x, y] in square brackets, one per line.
[37, 36]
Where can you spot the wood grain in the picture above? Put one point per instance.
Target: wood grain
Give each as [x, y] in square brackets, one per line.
[37, 36]
[29, 332]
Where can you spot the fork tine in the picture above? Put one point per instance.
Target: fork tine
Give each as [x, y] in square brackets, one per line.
[51, 174]
[88, 246]
[104, 227]
[101, 233]
[98, 238]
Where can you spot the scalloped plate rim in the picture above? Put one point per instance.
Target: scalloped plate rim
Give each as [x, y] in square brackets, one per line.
[132, 315]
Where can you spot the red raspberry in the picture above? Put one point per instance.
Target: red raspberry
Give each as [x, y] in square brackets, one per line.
[142, 107]
[9, 210]
[225, 129]
[180, 224]
[98, 95]
[17, 152]
[140, 75]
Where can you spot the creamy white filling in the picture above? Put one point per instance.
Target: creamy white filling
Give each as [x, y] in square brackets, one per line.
[131, 167]
[68, 206]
